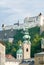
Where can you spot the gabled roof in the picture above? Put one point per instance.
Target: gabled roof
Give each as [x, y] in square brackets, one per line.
[39, 54]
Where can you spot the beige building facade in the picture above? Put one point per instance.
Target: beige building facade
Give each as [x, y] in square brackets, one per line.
[39, 58]
[2, 54]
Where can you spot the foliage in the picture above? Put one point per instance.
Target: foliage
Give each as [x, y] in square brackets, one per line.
[11, 48]
[18, 36]
[18, 39]
[36, 45]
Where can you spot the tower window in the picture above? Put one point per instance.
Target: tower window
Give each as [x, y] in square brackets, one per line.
[17, 56]
[27, 50]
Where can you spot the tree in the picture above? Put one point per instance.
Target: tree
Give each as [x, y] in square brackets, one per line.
[8, 47]
[18, 36]
[36, 45]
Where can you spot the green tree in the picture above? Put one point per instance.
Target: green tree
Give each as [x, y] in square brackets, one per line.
[18, 36]
[15, 47]
[36, 45]
[8, 47]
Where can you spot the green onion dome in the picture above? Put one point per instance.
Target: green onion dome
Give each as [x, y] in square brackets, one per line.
[26, 41]
[26, 37]
[20, 51]
[26, 33]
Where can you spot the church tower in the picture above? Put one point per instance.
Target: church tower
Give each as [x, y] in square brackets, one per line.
[20, 53]
[26, 45]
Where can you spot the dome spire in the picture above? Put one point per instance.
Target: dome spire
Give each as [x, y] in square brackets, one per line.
[26, 36]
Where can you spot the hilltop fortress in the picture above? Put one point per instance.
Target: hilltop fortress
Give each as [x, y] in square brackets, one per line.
[9, 31]
[28, 22]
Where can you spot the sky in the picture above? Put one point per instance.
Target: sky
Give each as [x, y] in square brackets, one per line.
[13, 10]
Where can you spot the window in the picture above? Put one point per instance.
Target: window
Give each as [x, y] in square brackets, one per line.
[17, 56]
[27, 50]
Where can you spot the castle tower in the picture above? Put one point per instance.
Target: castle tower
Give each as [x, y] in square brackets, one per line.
[26, 45]
[41, 23]
[41, 18]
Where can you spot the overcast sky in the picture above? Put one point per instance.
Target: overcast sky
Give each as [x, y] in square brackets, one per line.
[13, 10]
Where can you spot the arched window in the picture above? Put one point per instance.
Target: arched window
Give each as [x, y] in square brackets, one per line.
[27, 50]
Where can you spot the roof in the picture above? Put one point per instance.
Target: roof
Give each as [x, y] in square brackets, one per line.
[10, 58]
[20, 51]
[27, 33]
[2, 42]
[25, 41]
[38, 54]
[26, 36]
[28, 62]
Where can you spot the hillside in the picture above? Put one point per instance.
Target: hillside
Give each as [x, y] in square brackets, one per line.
[32, 32]
[18, 38]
